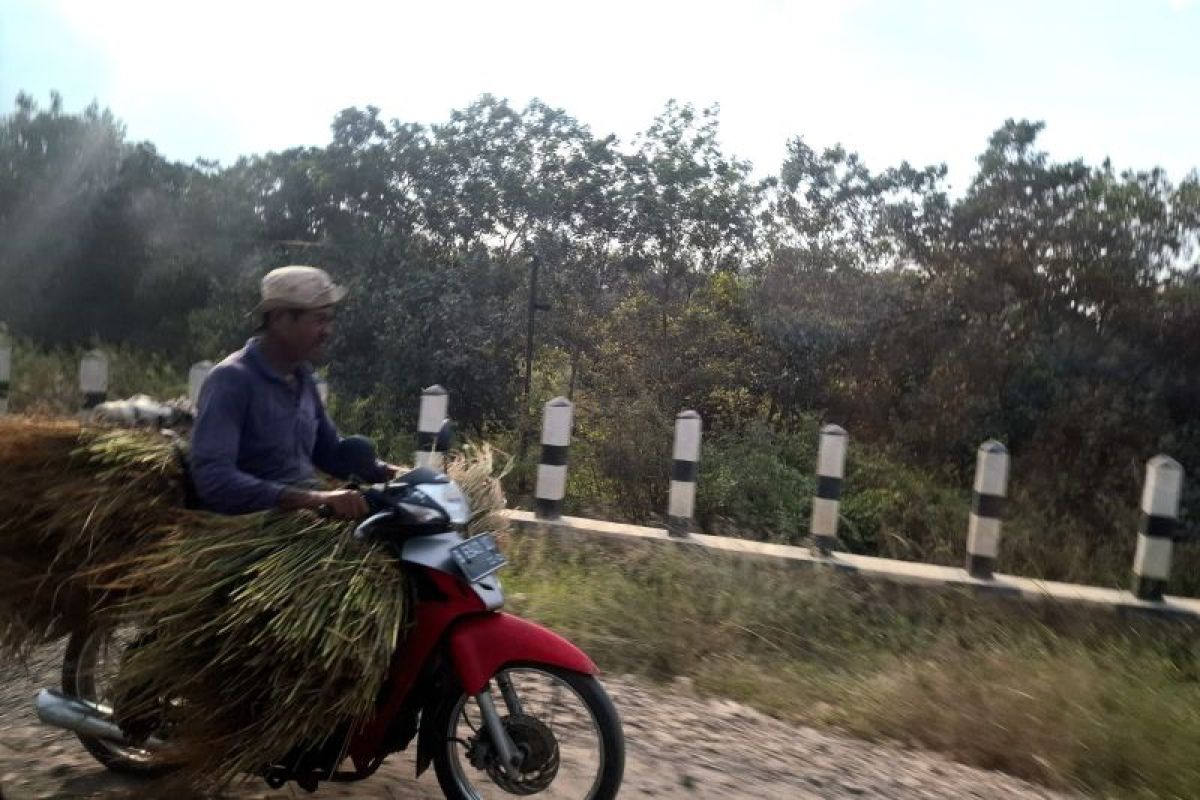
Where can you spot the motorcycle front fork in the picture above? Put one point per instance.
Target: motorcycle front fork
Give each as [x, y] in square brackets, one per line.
[510, 756]
[509, 693]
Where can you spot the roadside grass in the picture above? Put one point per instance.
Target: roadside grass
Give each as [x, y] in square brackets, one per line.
[46, 381]
[1064, 697]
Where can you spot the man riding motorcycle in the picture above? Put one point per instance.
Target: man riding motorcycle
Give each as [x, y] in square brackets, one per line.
[261, 427]
[497, 705]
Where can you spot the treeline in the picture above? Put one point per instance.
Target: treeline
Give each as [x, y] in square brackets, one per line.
[1052, 305]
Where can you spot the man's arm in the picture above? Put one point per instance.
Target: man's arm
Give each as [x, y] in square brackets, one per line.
[221, 486]
[342, 503]
[324, 455]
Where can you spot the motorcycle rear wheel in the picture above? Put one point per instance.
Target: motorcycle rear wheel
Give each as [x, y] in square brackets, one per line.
[460, 780]
[89, 668]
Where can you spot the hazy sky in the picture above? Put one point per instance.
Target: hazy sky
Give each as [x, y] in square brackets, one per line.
[925, 80]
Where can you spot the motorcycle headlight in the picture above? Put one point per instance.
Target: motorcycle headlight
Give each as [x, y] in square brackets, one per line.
[451, 499]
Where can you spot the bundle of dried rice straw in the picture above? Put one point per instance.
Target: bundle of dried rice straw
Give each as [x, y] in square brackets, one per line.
[74, 505]
[267, 630]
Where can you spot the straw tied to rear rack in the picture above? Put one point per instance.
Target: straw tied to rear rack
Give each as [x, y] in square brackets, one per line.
[1157, 533]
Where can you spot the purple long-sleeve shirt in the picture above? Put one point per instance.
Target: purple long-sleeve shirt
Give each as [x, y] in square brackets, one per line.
[257, 434]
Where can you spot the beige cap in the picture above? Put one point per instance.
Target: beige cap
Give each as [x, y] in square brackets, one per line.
[298, 287]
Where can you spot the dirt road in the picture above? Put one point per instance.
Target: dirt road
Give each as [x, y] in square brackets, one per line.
[679, 745]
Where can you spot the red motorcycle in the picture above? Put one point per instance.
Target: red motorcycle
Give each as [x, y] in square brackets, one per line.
[552, 731]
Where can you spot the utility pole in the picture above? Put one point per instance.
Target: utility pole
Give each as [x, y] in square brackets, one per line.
[534, 263]
[534, 307]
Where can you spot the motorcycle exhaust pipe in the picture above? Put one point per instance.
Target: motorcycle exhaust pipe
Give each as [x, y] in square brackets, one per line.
[84, 718]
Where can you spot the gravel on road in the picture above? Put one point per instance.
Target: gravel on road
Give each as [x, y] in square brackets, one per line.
[678, 745]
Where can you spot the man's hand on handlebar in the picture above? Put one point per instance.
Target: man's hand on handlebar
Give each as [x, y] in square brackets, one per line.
[344, 503]
[340, 503]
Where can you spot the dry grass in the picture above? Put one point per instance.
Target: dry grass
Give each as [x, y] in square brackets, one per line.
[270, 632]
[72, 504]
[1105, 719]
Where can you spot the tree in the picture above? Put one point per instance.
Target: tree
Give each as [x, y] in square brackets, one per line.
[54, 171]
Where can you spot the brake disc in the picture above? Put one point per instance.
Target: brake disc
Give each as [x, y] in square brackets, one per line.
[540, 761]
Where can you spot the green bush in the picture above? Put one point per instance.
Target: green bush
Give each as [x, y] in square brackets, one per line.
[893, 510]
[758, 483]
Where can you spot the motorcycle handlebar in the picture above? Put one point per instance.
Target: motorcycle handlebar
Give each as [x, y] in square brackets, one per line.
[376, 502]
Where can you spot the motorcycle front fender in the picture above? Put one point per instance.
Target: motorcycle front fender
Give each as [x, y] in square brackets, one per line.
[480, 646]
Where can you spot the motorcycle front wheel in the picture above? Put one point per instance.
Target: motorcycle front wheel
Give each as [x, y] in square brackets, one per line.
[564, 725]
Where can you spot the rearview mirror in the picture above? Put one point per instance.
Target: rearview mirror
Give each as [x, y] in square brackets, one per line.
[355, 456]
[445, 436]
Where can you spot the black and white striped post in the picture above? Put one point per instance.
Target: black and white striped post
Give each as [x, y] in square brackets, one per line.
[685, 463]
[435, 403]
[5, 368]
[1156, 534]
[552, 466]
[93, 380]
[197, 375]
[831, 467]
[987, 509]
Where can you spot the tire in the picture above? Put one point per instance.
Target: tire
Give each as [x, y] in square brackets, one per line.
[596, 700]
[79, 663]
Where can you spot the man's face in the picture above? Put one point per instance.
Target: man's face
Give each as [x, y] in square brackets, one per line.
[302, 334]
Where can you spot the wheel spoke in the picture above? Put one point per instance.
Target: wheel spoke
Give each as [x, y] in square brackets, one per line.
[554, 702]
[467, 720]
